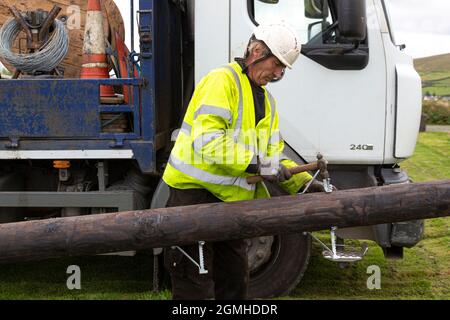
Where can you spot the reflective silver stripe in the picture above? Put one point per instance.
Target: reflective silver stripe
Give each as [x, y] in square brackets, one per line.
[207, 177]
[238, 125]
[206, 138]
[275, 138]
[186, 128]
[213, 110]
[272, 109]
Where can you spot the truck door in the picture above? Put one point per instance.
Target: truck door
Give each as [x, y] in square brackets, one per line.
[333, 100]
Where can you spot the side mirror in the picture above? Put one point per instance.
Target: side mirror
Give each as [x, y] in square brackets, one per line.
[316, 9]
[352, 19]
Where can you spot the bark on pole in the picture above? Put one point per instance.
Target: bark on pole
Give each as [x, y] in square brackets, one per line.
[136, 230]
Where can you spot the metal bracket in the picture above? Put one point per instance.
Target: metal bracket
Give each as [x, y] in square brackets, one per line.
[340, 255]
[201, 264]
[102, 175]
[145, 19]
[327, 186]
[117, 143]
[13, 143]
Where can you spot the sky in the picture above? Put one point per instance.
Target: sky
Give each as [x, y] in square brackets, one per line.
[423, 25]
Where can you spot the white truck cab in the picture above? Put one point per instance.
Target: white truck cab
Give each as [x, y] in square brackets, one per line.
[359, 108]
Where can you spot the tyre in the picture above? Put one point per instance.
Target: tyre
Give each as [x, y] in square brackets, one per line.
[137, 183]
[283, 269]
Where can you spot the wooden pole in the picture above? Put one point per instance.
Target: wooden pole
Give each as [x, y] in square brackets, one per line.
[86, 235]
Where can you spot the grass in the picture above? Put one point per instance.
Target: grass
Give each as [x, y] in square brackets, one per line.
[424, 273]
[433, 63]
[439, 90]
[437, 83]
[431, 160]
[435, 74]
[102, 277]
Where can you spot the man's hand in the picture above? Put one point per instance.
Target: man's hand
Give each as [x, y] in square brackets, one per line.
[284, 174]
[317, 186]
[276, 175]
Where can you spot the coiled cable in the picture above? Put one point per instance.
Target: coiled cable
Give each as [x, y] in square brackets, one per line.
[46, 59]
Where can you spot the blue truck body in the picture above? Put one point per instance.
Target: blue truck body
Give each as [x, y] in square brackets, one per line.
[65, 114]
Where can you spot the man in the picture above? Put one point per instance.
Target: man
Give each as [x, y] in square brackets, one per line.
[230, 132]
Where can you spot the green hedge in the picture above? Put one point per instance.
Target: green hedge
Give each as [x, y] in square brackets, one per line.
[437, 112]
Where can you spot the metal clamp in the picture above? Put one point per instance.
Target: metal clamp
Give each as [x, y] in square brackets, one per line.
[201, 264]
[327, 186]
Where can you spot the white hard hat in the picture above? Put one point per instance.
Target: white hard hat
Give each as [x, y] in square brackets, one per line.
[282, 40]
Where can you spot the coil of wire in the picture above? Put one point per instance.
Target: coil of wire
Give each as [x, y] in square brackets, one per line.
[46, 59]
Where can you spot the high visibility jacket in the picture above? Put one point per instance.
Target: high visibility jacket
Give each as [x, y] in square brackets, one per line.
[219, 139]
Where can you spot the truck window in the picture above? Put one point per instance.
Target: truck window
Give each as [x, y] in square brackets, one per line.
[316, 24]
[293, 11]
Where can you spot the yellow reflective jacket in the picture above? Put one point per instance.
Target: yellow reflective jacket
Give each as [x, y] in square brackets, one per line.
[219, 139]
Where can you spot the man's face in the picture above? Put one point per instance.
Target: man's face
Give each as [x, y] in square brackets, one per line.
[265, 71]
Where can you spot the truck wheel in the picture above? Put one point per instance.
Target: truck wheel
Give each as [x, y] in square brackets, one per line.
[283, 267]
[135, 181]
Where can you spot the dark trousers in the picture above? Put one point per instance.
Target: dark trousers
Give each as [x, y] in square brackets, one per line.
[226, 261]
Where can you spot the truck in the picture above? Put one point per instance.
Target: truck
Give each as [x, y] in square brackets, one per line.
[353, 96]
